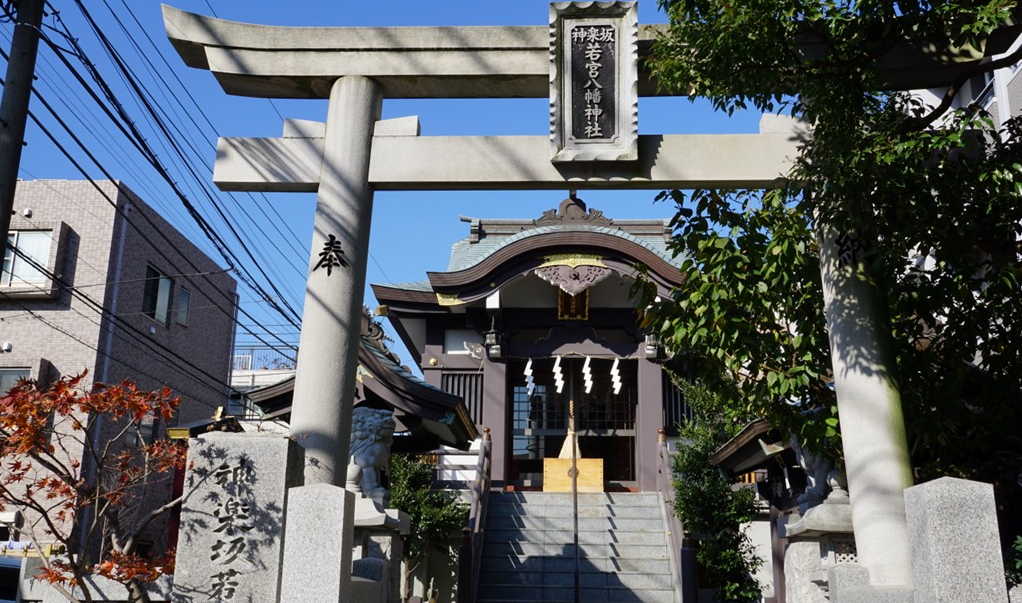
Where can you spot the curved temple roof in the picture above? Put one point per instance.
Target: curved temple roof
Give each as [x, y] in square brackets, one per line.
[427, 412]
[497, 246]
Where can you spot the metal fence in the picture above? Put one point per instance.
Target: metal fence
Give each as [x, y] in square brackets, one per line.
[252, 358]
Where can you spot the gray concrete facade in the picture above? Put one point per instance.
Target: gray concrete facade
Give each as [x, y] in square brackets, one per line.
[106, 236]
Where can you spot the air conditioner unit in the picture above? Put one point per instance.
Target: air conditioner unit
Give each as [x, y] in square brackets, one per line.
[8, 518]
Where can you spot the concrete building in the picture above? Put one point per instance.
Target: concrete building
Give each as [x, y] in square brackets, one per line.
[999, 92]
[101, 282]
[95, 280]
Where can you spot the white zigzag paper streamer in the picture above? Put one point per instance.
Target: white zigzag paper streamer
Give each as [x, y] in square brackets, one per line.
[587, 375]
[530, 386]
[615, 378]
[558, 377]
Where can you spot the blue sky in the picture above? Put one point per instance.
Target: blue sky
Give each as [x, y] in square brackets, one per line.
[412, 232]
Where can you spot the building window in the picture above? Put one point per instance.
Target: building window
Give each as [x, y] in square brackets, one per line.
[156, 298]
[469, 386]
[184, 299]
[147, 430]
[26, 257]
[9, 377]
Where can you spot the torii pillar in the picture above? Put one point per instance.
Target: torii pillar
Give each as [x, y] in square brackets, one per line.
[332, 318]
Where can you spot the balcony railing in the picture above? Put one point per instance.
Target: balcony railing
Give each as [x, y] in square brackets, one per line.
[253, 358]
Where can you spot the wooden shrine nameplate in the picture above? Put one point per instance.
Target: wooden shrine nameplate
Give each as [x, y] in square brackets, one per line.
[556, 476]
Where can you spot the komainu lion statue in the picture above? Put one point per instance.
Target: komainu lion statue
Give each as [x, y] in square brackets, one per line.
[372, 434]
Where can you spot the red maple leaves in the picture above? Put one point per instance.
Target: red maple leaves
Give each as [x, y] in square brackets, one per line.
[79, 462]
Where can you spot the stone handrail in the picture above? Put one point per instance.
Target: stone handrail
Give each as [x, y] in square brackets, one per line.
[683, 568]
[470, 551]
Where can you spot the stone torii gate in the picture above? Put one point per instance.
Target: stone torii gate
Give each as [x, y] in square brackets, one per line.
[354, 154]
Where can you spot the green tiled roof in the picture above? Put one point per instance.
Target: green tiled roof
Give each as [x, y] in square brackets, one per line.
[465, 254]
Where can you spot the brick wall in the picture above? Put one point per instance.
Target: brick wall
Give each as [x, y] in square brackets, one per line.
[65, 329]
[105, 255]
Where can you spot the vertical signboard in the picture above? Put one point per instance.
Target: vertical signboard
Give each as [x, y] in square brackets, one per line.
[593, 81]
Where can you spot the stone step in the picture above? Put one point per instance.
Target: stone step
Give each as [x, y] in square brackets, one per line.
[586, 579]
[657, 565]
[518, 550]
[529, 551]
[601, 510]
[566, 594]
[501, 538]
[555, 547]
[585, 524]
[585, 499]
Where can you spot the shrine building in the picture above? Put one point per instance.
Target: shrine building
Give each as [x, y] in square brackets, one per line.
[532, 315]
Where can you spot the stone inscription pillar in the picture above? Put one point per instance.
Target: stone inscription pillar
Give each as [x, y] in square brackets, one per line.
[331, 323]
[231, 545]
[869, 406]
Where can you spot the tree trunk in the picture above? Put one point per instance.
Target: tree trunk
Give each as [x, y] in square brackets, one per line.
[407, 589]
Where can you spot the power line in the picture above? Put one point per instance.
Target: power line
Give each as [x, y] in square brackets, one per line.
[113, 203]
[134, 136]
[290, 237]
[137, 89]
[157, 351]
[89, 154]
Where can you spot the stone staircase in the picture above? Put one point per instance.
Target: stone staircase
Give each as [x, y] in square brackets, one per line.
[529, 554]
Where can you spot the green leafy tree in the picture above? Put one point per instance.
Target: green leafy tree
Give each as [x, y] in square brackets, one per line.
[751, 307]
[436, 515]
[931, 194]
[1013, 568]
[708, 505]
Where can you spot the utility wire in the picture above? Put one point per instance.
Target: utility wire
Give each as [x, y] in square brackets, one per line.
[153, 348]
[138, 337]
[135, 137]
[290, 237]
[78, 166]
[95, 161]
[228, 254]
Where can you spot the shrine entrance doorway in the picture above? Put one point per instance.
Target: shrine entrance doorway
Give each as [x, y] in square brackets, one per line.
[605, 415]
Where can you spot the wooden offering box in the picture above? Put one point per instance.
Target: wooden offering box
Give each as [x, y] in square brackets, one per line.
[557, 478]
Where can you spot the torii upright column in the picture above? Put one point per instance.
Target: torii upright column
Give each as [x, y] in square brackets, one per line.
[332, 319]
[869, 404]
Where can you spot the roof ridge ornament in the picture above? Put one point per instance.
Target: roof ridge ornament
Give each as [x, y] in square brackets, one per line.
[573, 209]
[573, 273]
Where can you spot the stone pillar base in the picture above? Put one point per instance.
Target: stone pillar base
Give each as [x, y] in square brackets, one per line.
[317, 545]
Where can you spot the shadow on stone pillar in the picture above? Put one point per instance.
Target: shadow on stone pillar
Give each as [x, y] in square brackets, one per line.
[231, 542]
